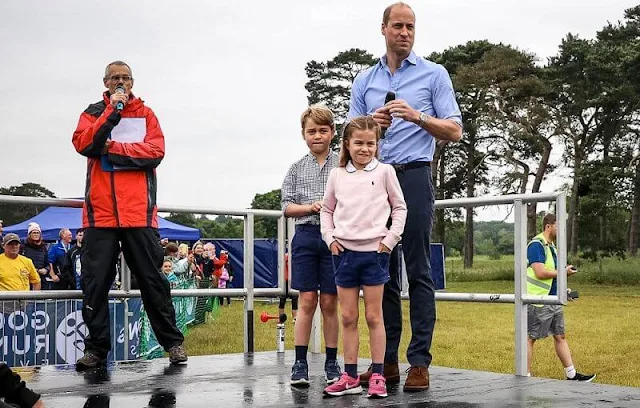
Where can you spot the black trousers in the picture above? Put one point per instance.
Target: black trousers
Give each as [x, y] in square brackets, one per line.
[144, 255]
[418, 193]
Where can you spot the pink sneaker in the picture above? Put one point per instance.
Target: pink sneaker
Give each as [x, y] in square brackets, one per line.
[377, 386]
[345, 385]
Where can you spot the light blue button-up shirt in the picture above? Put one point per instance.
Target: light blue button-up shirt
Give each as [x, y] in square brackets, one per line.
[425, 86]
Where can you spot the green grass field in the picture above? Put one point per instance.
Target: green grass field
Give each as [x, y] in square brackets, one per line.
[611, 271]
[602, 330]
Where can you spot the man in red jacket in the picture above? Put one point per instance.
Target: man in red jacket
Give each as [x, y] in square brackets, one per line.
[124, 144]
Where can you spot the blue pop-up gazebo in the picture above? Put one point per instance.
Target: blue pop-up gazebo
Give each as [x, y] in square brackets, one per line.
[53, 219]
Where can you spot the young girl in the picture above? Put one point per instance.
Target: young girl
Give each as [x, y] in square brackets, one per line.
[361, 195]
[167, 269]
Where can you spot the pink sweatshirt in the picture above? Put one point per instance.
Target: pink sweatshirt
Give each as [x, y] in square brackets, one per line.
[357, 205]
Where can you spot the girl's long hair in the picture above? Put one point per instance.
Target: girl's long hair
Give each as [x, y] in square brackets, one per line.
[360, 123]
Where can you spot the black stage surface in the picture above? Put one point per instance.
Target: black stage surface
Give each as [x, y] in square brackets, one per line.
[263, 380]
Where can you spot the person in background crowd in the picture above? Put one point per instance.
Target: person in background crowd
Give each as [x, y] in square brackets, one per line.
[167, 269]
[222, 274]
[14, 391]
[199, 259]
[35, 249]
[1, 248]
[17, 272]
[183, 251]
[208, 271]
[74, 262]
[181, 267]
[58, 258]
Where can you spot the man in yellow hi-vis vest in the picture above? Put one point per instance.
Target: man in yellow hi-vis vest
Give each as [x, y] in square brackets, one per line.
[542, 270]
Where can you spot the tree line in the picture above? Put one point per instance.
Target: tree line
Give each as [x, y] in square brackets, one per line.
[572, 120]
[527, 122]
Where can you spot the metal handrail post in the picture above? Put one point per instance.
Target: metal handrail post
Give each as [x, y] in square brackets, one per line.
[520, 286]
[125, 282]
[561, 242]
[248, 284]
[282, 227]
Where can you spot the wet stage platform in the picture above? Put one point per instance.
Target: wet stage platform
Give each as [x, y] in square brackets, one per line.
[263, 380]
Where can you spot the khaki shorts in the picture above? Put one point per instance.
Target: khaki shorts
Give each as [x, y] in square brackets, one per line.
[544, 321]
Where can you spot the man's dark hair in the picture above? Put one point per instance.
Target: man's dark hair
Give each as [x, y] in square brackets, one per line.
[548, 219]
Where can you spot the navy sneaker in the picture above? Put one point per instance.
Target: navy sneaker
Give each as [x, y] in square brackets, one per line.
[332, 371]
[582, 377]
[300, 374]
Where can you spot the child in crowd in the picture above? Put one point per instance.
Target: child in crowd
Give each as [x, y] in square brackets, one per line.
[183, 251]
[361, 195]
[167, 269]
[222, 274]
[302, 192]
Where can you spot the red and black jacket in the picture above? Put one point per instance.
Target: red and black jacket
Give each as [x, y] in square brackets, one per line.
[123, 198]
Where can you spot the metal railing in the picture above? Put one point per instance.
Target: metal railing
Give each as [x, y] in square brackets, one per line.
[248, 292]
[520, 298]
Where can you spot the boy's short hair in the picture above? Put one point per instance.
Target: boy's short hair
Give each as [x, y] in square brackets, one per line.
[548, 219]
[171, 247]
[321, 115]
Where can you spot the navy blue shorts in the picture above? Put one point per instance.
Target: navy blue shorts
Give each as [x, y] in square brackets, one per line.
[311, 267]
[354, 269]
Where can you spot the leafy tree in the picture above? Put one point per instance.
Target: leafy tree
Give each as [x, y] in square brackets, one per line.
[266, 227]
[16, 213]
[330, 83]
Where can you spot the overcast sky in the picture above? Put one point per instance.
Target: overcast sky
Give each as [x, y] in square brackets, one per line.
[225, 78]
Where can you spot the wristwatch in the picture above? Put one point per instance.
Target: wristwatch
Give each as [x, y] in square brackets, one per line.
[424, 118]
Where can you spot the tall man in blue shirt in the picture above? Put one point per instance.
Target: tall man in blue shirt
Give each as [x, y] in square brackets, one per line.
[424, 109]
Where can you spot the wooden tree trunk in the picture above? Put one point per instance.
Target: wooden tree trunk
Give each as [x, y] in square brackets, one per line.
[468, 230]
[439, 214]
[537, 182]
[438, 176]
[635, 214]
[572, 227]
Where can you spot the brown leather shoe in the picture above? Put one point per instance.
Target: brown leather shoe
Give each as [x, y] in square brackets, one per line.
[417, 379]
[390, 371]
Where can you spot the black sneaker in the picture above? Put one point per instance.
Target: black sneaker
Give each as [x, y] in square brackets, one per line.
[177, 355]
[90, 360]
[582, 377]
[332, 371]
[300, 374]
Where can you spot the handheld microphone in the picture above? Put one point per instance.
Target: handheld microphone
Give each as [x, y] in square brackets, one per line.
[390, 97]
[120, 90]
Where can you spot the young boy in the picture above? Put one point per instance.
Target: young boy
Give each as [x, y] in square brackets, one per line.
[311, 262]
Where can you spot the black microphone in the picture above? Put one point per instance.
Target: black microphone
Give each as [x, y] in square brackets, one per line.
[390, 97]
[120, 90]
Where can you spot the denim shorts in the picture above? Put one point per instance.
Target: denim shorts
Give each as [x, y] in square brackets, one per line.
[311, 266]
[354, 269]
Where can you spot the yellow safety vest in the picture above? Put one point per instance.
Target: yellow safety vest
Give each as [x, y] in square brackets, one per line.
[537, 286]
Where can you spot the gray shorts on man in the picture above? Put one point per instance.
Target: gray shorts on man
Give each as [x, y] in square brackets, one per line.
[544, 321]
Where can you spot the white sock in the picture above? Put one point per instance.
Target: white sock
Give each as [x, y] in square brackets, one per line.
[570, 371]
[528, 374]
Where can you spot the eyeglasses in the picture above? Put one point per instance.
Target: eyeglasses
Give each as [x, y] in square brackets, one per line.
[120, 77]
